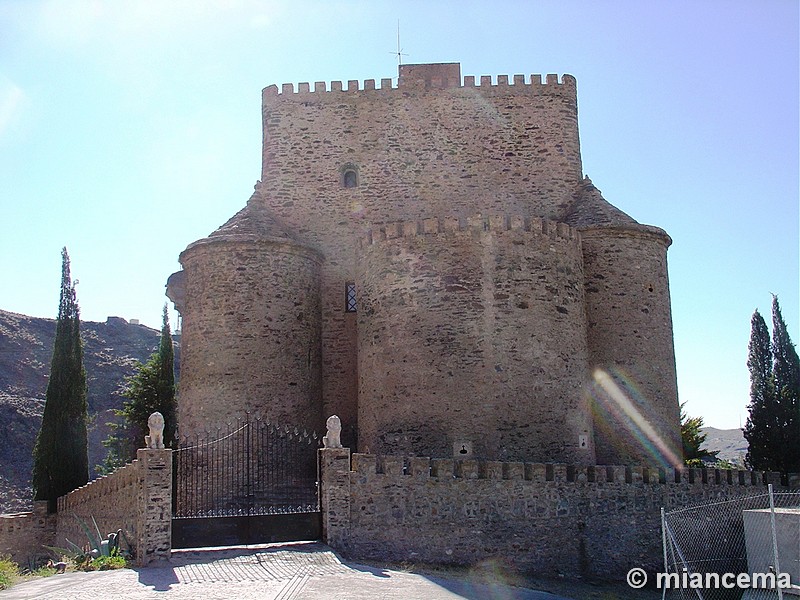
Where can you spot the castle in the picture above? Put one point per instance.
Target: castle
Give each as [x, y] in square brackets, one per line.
[428, 262]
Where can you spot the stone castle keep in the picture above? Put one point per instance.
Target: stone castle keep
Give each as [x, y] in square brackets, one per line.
[428, 262]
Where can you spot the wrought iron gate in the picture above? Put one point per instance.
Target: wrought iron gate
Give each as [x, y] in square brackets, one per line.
[253, 482]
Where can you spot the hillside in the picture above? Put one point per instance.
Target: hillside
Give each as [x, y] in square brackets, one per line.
[730, 443]
[111, 352]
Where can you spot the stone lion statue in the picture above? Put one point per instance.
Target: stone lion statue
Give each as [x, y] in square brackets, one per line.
[155, 440]
[331, 440]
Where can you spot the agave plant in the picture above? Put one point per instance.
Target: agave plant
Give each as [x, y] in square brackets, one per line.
[97, 548]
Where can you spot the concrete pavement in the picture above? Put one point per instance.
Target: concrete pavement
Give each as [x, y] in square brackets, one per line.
[296, 571]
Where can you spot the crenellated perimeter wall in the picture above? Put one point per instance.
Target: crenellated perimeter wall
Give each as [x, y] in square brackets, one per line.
[593, 521]
[110, 500]
[136, 498]
[23, 535]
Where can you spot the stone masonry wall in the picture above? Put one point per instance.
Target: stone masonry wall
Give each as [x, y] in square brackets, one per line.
[24, 535]
[631, 349]
[549, 519]
[136, 498]
[419, 152]
[469, 327]
[251, 340]
[111, 500]
[470, 149]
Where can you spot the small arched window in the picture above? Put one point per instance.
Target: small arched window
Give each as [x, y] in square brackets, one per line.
[350, 179]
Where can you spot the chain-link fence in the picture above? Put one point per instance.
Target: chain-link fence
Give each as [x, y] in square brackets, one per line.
[745, 536]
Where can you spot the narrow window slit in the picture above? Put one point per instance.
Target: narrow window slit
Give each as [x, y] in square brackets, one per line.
[350, 297]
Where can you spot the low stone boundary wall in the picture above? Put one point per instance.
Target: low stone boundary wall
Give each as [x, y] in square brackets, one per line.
[136, 498]
[110, 500]
[548, 519]
[23, 535]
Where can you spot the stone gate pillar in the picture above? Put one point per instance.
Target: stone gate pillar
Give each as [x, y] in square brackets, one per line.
[154, 506]
[335, 495]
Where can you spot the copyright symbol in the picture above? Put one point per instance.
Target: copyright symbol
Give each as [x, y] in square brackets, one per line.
[637, 578]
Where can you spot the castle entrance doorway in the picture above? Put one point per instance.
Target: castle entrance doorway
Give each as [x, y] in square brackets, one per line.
[252, 482]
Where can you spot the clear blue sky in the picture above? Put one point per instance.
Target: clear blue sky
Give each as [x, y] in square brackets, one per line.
[129, 129]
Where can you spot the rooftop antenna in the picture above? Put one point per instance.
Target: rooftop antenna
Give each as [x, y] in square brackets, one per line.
[400, 54]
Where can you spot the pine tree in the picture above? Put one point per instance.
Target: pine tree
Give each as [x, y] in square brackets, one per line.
[60, 455]
[786, 371]
[692, 439]
[151, 389]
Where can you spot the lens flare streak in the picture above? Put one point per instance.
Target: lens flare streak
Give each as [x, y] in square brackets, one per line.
[615, 400]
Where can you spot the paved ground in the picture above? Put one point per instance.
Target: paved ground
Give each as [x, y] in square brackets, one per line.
[300, 571]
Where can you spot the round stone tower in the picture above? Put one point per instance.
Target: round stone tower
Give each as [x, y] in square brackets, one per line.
[251, 331]
[629, 326]
[472, 341]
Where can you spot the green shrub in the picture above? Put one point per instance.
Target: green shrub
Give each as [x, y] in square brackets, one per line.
[106, 563]
[43, 571]
[9, 571]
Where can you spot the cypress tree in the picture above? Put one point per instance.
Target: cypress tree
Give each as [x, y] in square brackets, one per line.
[761, 423]
[167, 401]
[773, 426]
[786, 371]
[60, 455]
[151, 389]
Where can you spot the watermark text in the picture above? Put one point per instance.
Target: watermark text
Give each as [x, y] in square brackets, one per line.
[637, 579]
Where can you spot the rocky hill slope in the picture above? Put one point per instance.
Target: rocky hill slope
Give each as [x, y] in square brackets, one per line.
[111, 353]
[730, 442]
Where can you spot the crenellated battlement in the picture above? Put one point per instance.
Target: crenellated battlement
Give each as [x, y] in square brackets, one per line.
[23, 535]
[545, 517]
[535, 84]
[122, 481]
[368, 465]
[494, 223]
